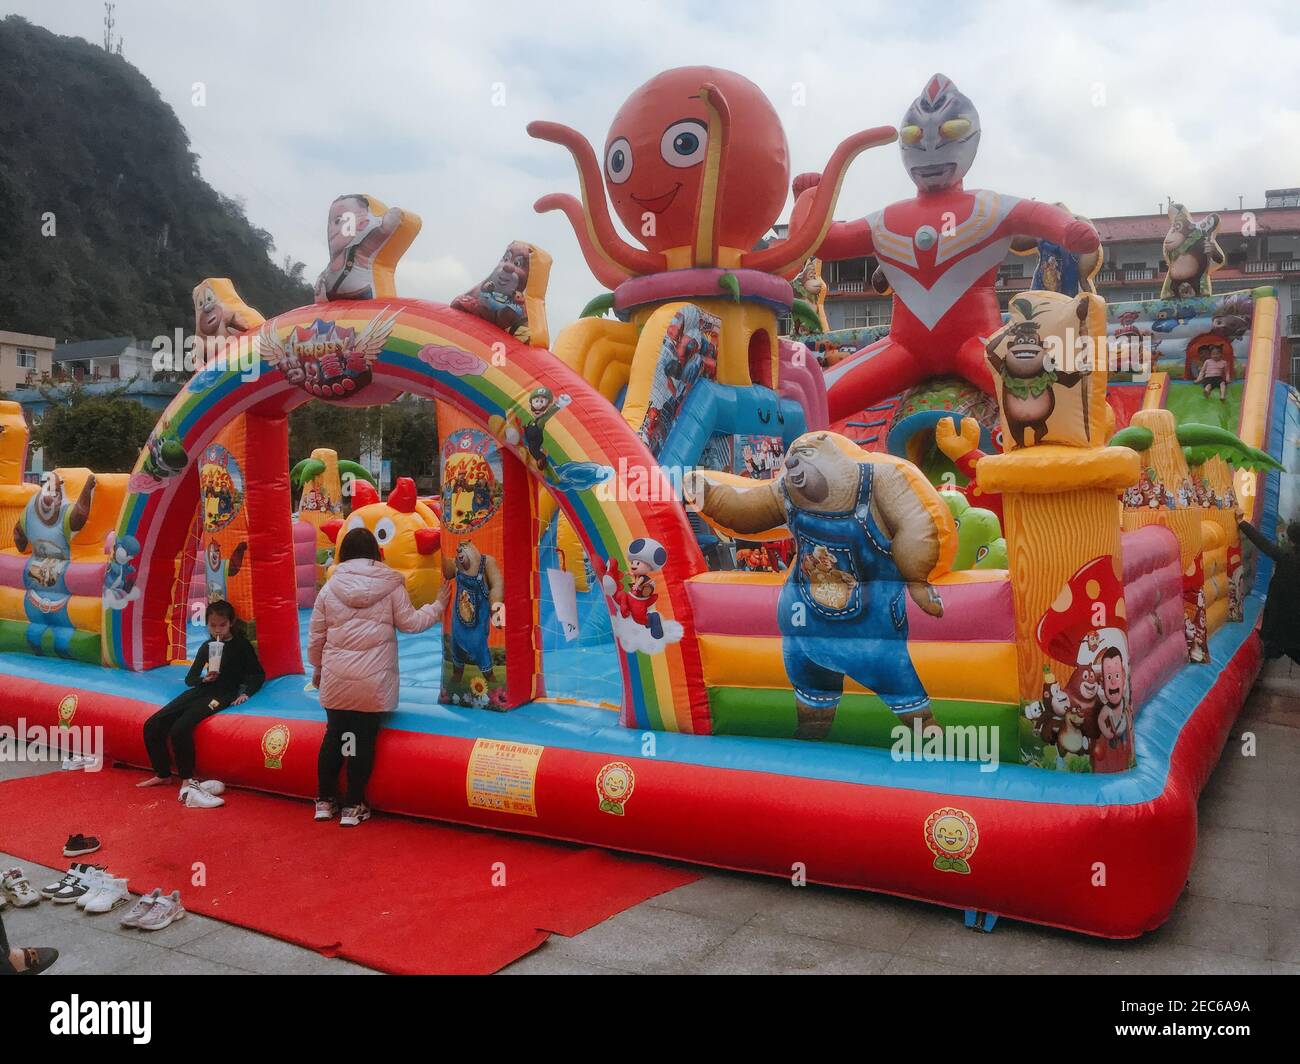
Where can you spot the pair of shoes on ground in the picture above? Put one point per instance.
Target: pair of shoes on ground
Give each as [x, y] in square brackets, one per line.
[92, 888]
[202, 795]
[352, 815]
[80, 845]
[77, 762]
[15, 890]
[194, 794]
[155, 910]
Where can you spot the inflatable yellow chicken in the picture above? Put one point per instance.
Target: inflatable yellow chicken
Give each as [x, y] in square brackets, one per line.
[408, 532]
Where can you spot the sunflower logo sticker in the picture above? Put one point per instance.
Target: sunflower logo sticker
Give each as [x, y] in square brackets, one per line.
[275, 741]
[614, 783]
[952, 837]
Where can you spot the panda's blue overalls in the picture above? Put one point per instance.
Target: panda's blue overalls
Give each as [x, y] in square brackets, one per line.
[867, 638]
[469, 639]
[46, 595]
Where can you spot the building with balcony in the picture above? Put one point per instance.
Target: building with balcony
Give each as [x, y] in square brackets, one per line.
[22, 356]
[1262, 246]
[118, 358]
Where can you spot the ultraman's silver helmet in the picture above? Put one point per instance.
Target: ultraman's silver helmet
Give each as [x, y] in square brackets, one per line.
[939, 136]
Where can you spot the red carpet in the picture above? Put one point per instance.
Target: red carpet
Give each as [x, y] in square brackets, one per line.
[402, 896]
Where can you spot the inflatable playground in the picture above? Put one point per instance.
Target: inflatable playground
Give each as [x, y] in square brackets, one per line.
[956, 610]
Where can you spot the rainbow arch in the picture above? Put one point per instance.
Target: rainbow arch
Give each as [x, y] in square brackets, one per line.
[436, 352]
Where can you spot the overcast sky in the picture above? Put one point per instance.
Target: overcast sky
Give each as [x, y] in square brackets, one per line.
[1109, 107]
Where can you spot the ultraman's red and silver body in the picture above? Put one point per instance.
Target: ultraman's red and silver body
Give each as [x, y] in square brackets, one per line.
[940, 253]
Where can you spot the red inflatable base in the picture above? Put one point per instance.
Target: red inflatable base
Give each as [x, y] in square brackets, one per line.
[1109, 870]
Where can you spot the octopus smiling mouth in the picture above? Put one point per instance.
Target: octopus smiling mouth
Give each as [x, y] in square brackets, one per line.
[658, 204]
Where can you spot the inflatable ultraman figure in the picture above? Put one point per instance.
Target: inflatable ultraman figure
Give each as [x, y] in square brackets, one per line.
[939, 252]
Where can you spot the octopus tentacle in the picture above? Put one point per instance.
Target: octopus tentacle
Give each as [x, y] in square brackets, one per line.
[707, 214]
[608, 274]
[595, 212]
[790, 253]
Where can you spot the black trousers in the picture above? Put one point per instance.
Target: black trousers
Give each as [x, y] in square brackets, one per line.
[349, 734]
[175, 724]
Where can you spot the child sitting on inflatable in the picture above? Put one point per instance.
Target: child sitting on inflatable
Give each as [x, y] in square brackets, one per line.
[1214, 370]
[233, 675]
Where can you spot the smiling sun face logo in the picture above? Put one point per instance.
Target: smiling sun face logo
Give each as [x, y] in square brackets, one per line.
[275, 741]
[952, 837]
[614, 783]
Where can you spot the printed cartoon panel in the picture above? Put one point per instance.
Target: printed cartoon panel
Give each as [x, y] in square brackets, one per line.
[688, 353]
[1050, 385]
[512, 297]
[222, 567]
[1178, 336]
[1191, 252]
[1084, 723]
[366, 239]
[473, 545]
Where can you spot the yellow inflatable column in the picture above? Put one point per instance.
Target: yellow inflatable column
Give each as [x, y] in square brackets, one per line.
[13, 452]
[1059, 484]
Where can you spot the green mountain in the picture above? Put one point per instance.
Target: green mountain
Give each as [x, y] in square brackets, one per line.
[85, 136]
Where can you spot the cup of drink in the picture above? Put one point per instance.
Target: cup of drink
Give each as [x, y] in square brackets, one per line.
[214, 656]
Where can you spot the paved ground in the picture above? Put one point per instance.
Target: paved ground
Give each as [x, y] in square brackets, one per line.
[1241, 912]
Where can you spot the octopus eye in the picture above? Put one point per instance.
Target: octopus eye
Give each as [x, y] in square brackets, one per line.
[618, 161]
[955, 128]
[910, 135]
[683, 143]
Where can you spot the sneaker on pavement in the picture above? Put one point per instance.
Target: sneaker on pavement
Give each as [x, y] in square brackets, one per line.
[166, 910]
[326, 809]
[76, 885]
[195, 797]
[138, 911]
[113, 893]
[80, 845]
[15, 888]
[354, 815]
[72, 875]
[93, 883]
[78, 762]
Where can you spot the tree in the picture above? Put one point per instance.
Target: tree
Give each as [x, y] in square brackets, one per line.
[102, 432]
[406, 431]
[318, 424]
[411, 438]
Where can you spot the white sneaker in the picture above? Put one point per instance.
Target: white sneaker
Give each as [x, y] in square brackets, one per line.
[113, 893]
[193, 796]
[94, 883]
[15, 888]
[78, 762]
[140, 909]
[163, 912]
[213, 787]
